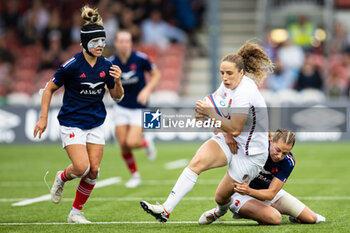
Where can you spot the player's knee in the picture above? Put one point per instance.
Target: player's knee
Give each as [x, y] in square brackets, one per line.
[310, 218]
[220, 198]
[273, 218]
[122, 143]
[196, 165]
[132, 144]
[81, 171]
[94, 170]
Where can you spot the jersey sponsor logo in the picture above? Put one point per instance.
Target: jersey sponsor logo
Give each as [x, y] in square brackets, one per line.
[93, 85]
[82, 75]
[265, 171]
[91, 92]
[71, 135]
[128, 75]
[263, 178]
[102, 74]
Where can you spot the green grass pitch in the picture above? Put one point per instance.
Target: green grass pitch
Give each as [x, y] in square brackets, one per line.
[320, 179]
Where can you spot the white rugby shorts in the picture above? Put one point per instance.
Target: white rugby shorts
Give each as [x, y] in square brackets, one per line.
[242, 168]
[239, 200]
[74, 135]
[127, 116]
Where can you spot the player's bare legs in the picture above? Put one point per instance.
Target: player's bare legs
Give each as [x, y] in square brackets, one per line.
[208, 156]
[87, 183]
[80, 165]
[80, 160]
[258, 211]
[298, 212]
[128, 136]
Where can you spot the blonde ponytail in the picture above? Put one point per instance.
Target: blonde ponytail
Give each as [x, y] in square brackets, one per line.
[91, 16]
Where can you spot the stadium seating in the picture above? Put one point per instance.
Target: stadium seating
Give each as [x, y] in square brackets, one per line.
[170, 63]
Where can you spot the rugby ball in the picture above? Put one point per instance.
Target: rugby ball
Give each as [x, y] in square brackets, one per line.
[219, 104]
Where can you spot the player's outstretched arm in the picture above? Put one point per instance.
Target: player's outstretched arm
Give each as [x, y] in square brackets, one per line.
[40, 127]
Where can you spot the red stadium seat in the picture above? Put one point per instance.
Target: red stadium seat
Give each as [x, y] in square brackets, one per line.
[175, 49]
[28, 62]
[23, 87]
[3, 90]
[73, 49]
[172, 61]
[150, 50]
[342, 3]
[31, 50]
[25, 75]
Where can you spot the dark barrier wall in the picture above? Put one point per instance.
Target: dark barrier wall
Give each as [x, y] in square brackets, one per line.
[312, 123]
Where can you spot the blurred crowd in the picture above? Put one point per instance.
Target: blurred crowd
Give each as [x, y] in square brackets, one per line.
[304, 63]
[38, 35]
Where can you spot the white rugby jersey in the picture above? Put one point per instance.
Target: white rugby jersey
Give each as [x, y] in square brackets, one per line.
[246, 98]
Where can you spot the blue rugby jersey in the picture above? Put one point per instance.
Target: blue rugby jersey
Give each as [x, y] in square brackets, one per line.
[133, 77]
[280, 170]
[84, 90]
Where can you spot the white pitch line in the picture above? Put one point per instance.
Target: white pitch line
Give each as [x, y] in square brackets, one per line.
[105, 223]
[100, 184]
[334, 198]
[176, 164]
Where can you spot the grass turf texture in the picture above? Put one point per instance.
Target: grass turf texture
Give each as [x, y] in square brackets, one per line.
[322, 170]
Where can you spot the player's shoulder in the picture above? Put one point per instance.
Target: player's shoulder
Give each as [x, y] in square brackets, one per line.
[111, 58]
[105, 61]
[141, 55]
[248, 82]
[72, 62]
[289, 160]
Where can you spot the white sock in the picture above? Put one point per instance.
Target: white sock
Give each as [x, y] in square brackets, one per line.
[320, 218]
[74, 211]
[136, 175]
[222, 209]
[184, 184]
[90, 181]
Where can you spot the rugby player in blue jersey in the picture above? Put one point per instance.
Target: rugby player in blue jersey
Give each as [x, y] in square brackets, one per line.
[128, 112]
[263, 199]
[83, 113]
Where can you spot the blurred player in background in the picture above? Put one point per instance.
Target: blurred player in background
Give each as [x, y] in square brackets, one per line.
[247, 125]
[128, 112]
[83, 113]
[263, 199]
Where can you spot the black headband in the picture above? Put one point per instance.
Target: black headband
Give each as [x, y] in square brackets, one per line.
[89, 32]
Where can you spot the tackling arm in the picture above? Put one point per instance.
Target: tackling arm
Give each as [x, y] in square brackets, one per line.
[261, 194]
